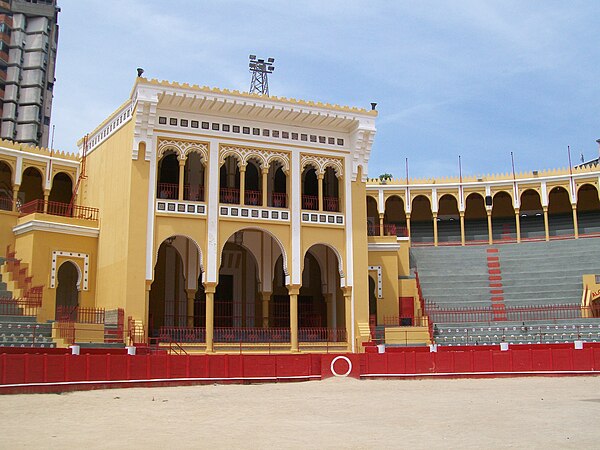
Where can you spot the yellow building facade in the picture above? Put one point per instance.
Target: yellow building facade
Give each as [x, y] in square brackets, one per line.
[224, 220]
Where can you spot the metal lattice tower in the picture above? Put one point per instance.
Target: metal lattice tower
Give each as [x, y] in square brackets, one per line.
[260, 69]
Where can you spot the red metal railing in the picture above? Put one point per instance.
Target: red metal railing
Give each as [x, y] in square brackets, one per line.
[240, 334]
[512, 313]
[193, 193]
[279, 199]
[310, 202]
[6, 204]
[253, 198]
[230, 195]
[331, 204]
[19, 306]
[182, 334]
[66, 331]
[80, 314]
[389, 229]
[322, 334]
[59, 209]
[168, 191]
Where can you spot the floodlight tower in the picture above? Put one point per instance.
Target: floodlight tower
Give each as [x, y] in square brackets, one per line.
[260, 69]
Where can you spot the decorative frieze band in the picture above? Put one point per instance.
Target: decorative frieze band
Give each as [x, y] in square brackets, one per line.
[182, 148]
[70, 255]
[320, 163]
[264, 157]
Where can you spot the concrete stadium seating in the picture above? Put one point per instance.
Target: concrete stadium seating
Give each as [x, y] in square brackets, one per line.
[24, 331]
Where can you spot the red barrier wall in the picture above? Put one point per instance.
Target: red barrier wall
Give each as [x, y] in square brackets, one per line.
[35, 372]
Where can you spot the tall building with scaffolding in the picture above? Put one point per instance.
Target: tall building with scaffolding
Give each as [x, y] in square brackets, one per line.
[28, 43]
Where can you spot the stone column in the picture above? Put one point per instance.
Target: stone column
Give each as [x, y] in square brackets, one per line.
[46, 197]
[546, 225]
[265, 189]
[209, 289]
[518, 224]
[408, 225]
[490, 234]
[15, 196]
[191, 296]
[181, 178]
[462, 227]
[435, 230]
[381, 230]
[320, 200]
[293, 291]
[575, 223]
[348, 312]
[266, 297]
[242, 185]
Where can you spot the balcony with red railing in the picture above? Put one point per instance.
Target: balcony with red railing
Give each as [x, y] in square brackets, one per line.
[253, 198]
[279, 200]
[80, 314]
[229, 195]
[331, 204]
[193, 193]
[6, 203]
[59, 209]
[315, 334]
[310, 202]
[168, 191]
[389, 229]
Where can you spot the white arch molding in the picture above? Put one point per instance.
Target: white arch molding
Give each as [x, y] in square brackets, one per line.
[339, 258]
[200, 260]
[70, 256]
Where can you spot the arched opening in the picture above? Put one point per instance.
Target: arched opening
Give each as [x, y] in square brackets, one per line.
[476, 227]
[531, 215]
[394, 220]
[310, 189]
[331, 191]
[193, 178]
[253, 184]
[372, 217]
[6, 187]
[421, 220]
[251, 302]
[504, 227]
[31, 187]
[229, 181]
[560, 213]
[588, 209]
[67, 292]
[174, 292]
[321, 308]
[60, 195]
[168, 176]
[448, 219]
[372, 302]
[277, 185]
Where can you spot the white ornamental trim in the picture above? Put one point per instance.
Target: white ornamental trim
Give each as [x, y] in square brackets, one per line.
[263, 156]
[182, 148]
[55, 227]
[323, 218]
[379, 282]
[242, 212]
[180, 208]
[320, 163]
[69, 255]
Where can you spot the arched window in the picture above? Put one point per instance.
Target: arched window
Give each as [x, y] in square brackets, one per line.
[277, 185]
[31, 187]
[168, 176]
[476, 227]
[421, 220]
[331, 192]
[310, 189]
[229, 181]
[372, 217]
[252, 184]
[6, 189]
[67, 292]
[193, 178]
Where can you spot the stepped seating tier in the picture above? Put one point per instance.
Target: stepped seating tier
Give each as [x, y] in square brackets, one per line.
[24, 331]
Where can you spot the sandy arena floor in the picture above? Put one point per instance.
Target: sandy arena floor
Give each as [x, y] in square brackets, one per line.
[336, 413]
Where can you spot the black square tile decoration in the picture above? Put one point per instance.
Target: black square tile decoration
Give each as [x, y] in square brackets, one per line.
[225, 127]
[295, 136]
[275, 215]
[321, 139]
[313, 138]
[224, 211]
[330, 219]
[285, 215]
[313, 218]
[215, 126]
[161, 206]
[254, 213]
[173, 121]
[171, 206]
[180, 208]
[236, 128]
[275, 133]
[162, 120]
[190, 208]
[266, 132]
[244, 213]
[340, 142]
[265, 214]
[200, 209]
[331, 140]
[304, 137]
[195, 124]
[246, 130]
[256, 131]
[205, 125]
[285, 134]
[339, 219]
[322, 218]
[183, 123]
[234, 211]
[305, 217]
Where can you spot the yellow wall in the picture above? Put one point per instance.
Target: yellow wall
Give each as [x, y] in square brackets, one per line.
[8, 220]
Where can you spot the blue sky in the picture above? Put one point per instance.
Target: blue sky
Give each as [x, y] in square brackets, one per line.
[472, 78]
